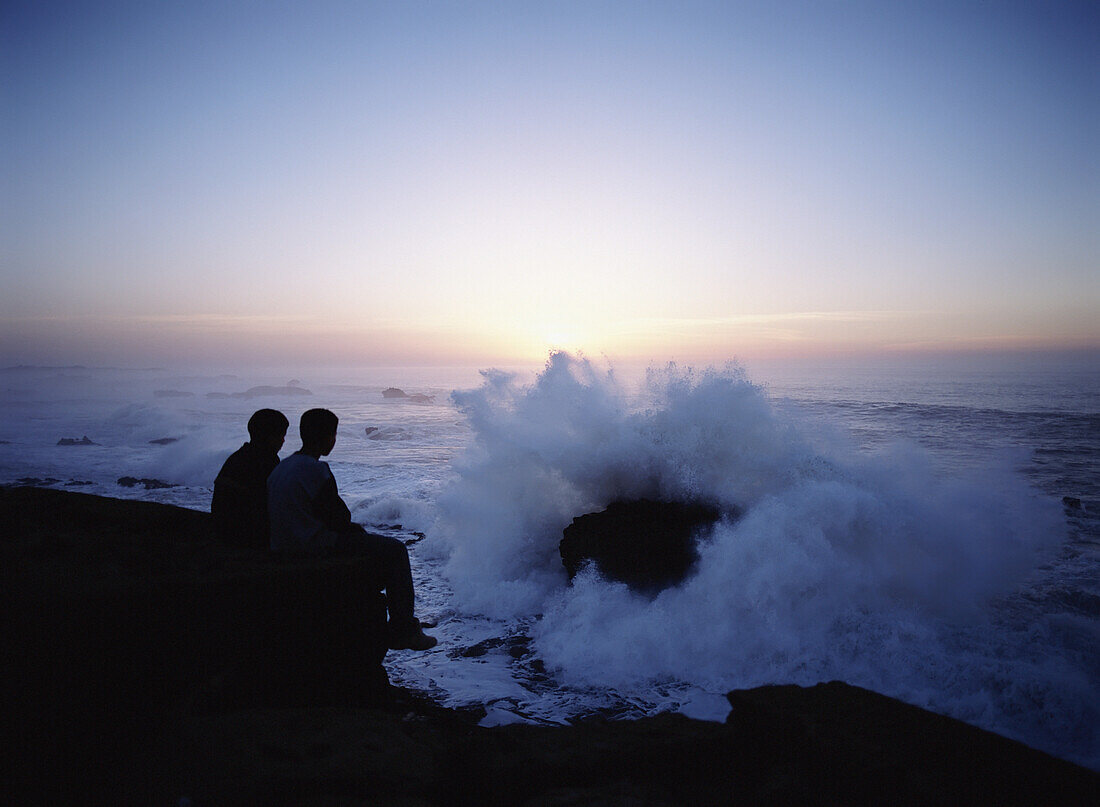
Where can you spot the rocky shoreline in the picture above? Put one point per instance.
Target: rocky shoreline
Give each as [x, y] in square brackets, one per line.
[148, 664]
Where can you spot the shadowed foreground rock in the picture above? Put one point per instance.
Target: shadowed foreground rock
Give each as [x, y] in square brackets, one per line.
[827, 744]
[648, 545]
[145, 675]
[118, 613]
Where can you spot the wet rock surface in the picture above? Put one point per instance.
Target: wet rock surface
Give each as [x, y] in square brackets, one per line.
[155, 665]
[39, 482]
[649, 545]
[147, 483]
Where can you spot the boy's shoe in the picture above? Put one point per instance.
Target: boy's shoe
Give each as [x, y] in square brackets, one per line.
[415, 640]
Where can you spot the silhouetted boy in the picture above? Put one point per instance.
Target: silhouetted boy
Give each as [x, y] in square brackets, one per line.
[240, 490]
[308, 516]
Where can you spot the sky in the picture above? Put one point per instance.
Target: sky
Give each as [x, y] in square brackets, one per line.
[469, 183]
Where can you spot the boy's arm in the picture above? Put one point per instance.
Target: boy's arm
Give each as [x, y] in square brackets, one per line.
[330, 510]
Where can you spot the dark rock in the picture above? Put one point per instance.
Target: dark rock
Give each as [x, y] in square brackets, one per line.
[163, 441]
[34, 481]
[394, 392]
[1072, 503]
[842, 744]
[263, 392]
[126, 612]
[5, 442]
[369, 430]
[72, 441]
[827, 744]
[419, 397]
[516, 646]
[646, 544]
[172, 393]
[146, 675]
[77, 483]
[149, 484]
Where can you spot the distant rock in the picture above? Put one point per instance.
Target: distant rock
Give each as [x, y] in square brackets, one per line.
[263, 392]
[72, 441]
[40, 482]
[294, 382]
[5, 443]
[34, 481]
[172, 393]
[218, 395]
[163, 441]
[1072, 503]
[649, 545]
[369, 430]
[149, 484]
[416, 397]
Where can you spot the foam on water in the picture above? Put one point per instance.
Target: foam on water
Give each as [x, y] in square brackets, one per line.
[885, 528]
[878, 569]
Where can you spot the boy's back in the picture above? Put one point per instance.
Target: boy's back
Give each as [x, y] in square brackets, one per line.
[295, 489]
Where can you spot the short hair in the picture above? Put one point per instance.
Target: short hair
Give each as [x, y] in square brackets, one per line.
[317, 424]
[267, 422]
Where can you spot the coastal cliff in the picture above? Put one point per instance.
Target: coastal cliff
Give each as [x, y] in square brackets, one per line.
[148, 664]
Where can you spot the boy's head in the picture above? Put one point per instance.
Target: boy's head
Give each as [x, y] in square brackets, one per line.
[318, 430]
[267, 428]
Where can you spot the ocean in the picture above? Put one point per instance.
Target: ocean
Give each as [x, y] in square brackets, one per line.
[929, 530]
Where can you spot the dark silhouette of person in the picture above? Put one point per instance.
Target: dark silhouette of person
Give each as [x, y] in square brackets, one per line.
[239, 504]
[308, 517]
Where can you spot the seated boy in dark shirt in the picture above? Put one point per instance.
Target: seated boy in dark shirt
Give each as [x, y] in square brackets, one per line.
[240, 490]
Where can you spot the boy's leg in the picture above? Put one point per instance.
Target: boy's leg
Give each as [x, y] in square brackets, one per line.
[394, 574]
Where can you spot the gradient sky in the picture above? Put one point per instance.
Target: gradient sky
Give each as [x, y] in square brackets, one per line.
[434, 182]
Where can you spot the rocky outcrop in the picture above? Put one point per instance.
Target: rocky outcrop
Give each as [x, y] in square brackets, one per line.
[416, 397]
[150, 665]
[648, 545]
[35, 481]
[145, 482]
[266, 392]
[72, 441]
[827, 744]
[124, 612]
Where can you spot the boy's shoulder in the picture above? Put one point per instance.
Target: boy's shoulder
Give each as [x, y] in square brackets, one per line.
[236, 461]
[299, 464]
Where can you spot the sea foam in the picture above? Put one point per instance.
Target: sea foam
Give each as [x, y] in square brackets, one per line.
[884, 528]
[876, 568]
